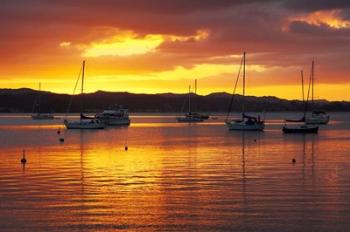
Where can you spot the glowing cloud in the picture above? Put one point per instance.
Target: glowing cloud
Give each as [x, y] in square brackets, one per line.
[127, 43]
[124, 44]
[331, 18]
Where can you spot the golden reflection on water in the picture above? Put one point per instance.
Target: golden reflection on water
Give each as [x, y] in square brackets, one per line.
[192, 177]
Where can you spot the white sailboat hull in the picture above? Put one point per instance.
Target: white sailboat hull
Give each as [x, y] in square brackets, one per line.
[84, 124]
[244, 126]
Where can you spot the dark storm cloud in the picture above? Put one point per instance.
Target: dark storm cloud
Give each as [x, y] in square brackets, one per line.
[38, 26]
[319, 30]
[150, 6]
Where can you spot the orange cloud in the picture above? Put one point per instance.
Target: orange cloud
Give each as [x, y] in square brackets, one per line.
[331, 18]
[123, 44]
[128, 43]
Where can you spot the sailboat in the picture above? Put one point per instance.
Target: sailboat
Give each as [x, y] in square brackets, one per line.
[300, 125]
[38, 115]
[84, 122]
[190, 116]
[197, 114]
[247, 122]
[316, 117]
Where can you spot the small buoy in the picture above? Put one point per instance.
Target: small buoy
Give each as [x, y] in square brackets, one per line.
[294, 161]
[23, 160]
[61, 140]
[126, 148]
[254, 140]
[58, 131]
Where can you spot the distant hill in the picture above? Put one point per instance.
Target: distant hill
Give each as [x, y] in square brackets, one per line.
[22, 100]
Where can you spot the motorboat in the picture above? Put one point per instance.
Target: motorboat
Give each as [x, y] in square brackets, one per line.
[317, 117]
[114, 116]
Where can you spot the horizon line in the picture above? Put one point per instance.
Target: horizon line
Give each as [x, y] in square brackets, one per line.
[175, 93]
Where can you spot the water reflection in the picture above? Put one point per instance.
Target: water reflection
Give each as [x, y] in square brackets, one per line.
[183, 177]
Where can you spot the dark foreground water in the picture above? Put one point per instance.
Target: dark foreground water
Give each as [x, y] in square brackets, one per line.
[174, 177]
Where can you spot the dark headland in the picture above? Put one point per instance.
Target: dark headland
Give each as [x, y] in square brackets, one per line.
[22, 101]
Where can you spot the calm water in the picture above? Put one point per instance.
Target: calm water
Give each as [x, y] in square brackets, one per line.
[174, 177]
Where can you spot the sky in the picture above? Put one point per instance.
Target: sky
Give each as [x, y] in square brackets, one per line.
[158, 46]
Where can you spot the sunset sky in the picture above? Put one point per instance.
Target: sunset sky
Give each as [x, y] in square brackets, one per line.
[157, 46]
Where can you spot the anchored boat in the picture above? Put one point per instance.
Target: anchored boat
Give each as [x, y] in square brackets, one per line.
[84, 122]
[190, 116]
[316, 117]
[247, 122]
[37, 107]
[300, 125]
[114, 116]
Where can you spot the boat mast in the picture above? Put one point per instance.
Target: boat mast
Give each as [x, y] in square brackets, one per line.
[310, 88]
[302, 85]
[82, 89]
[243, 84]
[312, 81]
[189, 99]
[39, 100]
[195, 86]
[195, 103]
[82, 78]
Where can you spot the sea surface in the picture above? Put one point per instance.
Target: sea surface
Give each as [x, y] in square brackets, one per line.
[174, 176]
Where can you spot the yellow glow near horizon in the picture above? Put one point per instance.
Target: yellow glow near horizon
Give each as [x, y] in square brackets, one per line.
[331, 18]
[333, 92]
